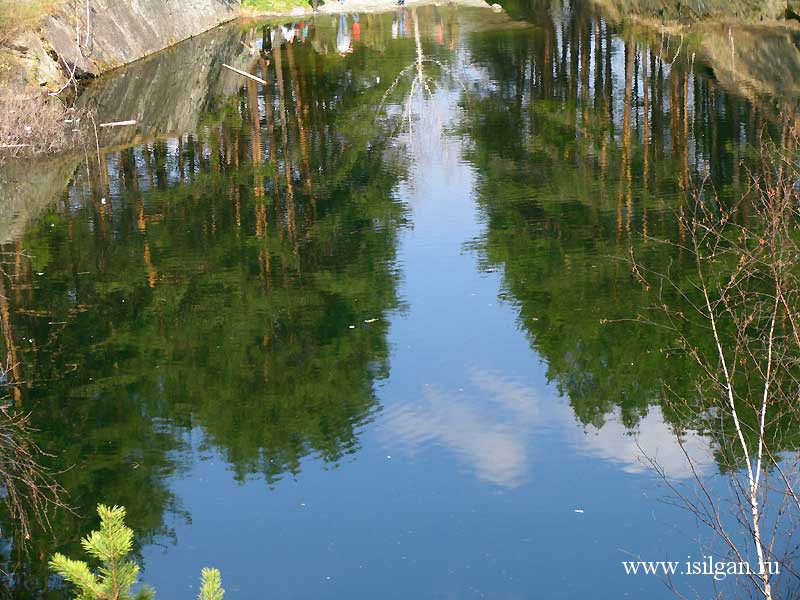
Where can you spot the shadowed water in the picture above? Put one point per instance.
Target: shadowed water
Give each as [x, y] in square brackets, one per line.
[362, 331]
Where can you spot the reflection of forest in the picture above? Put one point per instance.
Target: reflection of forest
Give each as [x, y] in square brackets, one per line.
[587, 146]
[236, 279]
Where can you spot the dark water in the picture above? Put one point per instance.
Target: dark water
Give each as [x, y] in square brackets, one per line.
[353, 333]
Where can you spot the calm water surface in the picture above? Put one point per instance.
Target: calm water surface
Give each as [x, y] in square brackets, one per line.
[345, 335]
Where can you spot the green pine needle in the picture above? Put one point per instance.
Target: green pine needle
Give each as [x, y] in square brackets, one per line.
[210, 585]
[116, 575]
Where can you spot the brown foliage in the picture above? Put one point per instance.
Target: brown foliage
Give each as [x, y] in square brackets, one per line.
[38, 125]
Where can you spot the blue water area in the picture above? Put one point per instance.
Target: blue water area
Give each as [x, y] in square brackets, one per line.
[369, 329]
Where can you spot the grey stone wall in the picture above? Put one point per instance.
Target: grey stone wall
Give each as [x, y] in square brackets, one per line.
[750, 10]
[126, 30]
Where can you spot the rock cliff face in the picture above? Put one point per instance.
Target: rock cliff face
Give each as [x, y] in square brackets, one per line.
[167, 94]
[755, 55]
[112, 33]
[759, 61]
[125, 31]
[750, 10]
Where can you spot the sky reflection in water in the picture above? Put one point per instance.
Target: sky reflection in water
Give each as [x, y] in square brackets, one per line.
[342, 335]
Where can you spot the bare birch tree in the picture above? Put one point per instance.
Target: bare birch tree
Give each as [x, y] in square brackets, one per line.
[736, 315]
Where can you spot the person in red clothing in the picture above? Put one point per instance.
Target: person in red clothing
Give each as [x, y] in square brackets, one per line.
[356, 29]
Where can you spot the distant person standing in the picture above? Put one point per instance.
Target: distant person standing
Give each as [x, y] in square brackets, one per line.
[438, 27]
[288, 32]
[266, 39]
[343, 36]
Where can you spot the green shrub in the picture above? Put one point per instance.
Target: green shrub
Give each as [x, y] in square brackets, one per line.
[115, 577]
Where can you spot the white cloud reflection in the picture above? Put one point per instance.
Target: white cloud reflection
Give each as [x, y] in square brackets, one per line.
[494, 449]
[652, 440]
[491, 424]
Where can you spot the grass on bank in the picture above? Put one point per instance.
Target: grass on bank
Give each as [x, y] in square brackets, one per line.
[16, 15]
[275, 6]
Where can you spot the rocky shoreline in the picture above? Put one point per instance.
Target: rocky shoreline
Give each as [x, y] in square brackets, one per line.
[698, 10]
[752, 54]
[90, 37]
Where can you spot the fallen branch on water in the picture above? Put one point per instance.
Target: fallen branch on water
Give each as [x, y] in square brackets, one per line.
[118, 123]
[245, 74]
